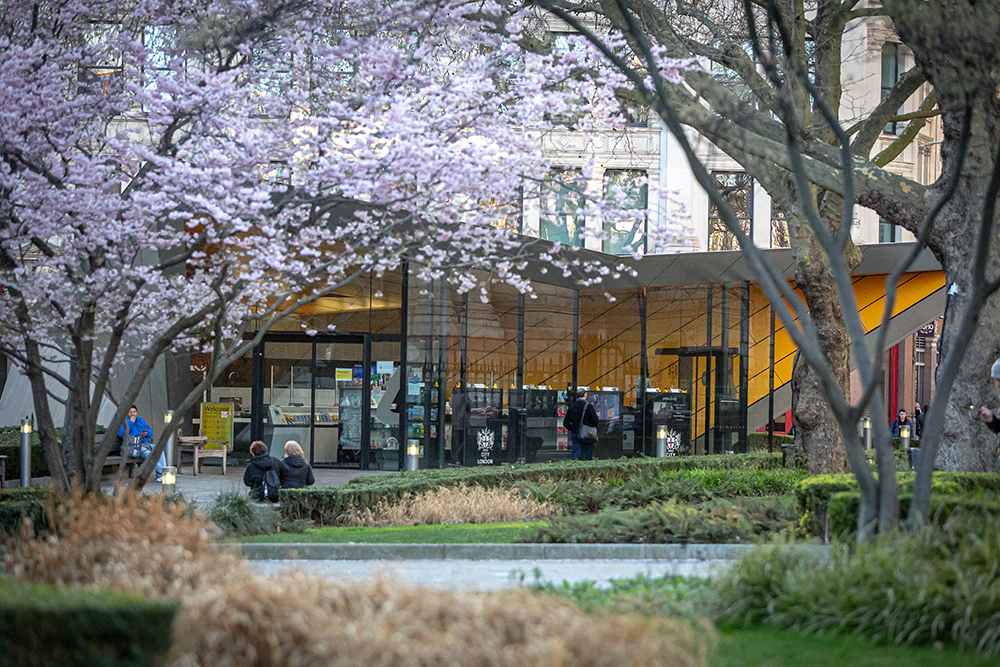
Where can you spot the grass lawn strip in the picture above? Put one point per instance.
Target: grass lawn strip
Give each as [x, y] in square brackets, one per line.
[756, 647]
[463, 533]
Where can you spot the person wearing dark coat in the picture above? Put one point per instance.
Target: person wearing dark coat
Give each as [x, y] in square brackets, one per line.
[259, 464]
[295, 472]
[581, 412]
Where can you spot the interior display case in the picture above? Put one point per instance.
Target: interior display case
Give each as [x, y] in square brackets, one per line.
[610, 430]
[545, 439]
[478, 428]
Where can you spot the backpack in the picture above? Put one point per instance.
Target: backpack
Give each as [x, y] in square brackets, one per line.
[270, 485]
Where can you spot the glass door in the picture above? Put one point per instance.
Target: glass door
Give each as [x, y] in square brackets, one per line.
[340, 395]
[287, 394]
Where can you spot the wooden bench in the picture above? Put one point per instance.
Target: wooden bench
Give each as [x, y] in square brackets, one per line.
[195, 445]
[130, 464]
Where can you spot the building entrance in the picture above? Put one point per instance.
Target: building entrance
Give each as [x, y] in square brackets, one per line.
[324, 392]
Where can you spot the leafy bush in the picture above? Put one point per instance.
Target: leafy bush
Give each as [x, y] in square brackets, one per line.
[229, 615]
[844, 508]
[684, 485]
[905, 588]
[757, 442]
[451, 505]
[237, 515]
[714, 521]
[46, 626]
[670, 595]
[11, 448]
[325, 505]
[813, 493]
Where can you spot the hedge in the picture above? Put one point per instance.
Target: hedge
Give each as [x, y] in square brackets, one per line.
[757, 442]
[324, 505]
[812, 495]
[18, 503]
[44, 626]
[39, 466]
[844, 508]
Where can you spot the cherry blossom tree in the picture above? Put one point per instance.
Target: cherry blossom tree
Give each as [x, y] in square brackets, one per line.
[177, 173]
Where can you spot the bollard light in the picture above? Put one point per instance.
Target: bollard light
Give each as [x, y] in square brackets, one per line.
[868, 433]
[168, 417]
[661, 441]
[25, 453]
[904, 435]
[169, 479]
[412, 455]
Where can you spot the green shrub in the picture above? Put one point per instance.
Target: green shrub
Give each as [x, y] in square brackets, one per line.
[11, 448]
[939, 583]
[757, 442]
[844, 507]
[69, 627]
[237, 515]
[813, 494]
[20, 503]
[714, 521]
[575, 497]
[324, 505]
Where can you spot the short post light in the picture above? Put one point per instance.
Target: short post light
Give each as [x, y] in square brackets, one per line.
[168, 417]
[25, 453]
[661, 441]
[904, 435]
[412, 455]
[169, 480]
[868, 432]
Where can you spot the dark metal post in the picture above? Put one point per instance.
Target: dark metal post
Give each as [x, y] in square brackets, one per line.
[770, 391]
[312, 408]
[576, 338]
[25, 453]
[643, 373]
[707, 375]
[404, 379]
[442, 375]
[744, 363]
[257, 394]
[366, 401]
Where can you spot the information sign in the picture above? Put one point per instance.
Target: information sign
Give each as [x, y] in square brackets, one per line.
[217, 424]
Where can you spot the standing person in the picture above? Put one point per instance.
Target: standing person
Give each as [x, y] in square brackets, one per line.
[986, 415]
[142, 433]
[918, 421]
[258, 467]
[295, 472]
[899, 421]
[581, 412]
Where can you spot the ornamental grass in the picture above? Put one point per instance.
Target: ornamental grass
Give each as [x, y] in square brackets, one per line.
[453, 504]
[230, 615]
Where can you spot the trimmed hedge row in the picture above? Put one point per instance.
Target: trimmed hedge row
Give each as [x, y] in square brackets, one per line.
[69, 627]
[844, 507]
[39, 466]
[324, 505]
[757, 442]
[813, 494]
[18, 503]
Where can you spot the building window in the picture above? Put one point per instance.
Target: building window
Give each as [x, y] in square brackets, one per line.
[919, 347]
[779, 228]
[892, 60]
[102, 58]
[628, 235]
[272, 64]
[889, 233]
[561, 208]
[737, 189]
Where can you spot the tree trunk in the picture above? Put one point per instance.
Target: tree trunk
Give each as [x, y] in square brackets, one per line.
[817, 432]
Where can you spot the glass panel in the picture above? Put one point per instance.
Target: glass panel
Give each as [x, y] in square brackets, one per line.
[626, 236]
[234, 385]
[386, 400]
[339, 395]
[890, 75]
[560, 203]
[779, 229]
[735, 189]
[287, 396]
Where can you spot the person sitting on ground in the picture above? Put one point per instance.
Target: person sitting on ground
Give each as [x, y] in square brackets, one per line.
[259, 464]
[295, 472]
[898, 422]
[142, 434]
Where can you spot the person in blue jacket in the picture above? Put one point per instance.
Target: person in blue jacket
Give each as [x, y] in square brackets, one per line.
[138, 428]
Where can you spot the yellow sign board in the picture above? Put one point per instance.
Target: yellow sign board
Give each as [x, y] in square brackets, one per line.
[217, 424]
[345, 374]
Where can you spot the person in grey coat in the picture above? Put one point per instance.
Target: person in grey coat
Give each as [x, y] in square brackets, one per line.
[295, 472]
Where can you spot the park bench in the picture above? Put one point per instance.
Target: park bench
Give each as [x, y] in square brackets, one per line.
[114, 462]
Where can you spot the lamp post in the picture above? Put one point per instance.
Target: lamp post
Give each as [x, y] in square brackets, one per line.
[904, 435]
[169, 478]
[868, 433]
[412, 455]
[25, 453]
[661, 441]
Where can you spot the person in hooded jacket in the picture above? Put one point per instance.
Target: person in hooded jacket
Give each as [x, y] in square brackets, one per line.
[295, 473]
[259, 464]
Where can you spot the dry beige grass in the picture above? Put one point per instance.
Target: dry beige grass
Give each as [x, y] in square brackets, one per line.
[230, 616]
[455, 504]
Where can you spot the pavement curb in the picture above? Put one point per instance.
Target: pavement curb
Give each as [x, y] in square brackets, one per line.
[356, 551]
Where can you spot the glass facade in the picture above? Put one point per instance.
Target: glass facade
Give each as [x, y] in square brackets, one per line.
[487, 382]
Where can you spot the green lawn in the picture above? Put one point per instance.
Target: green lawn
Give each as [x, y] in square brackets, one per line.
[464, 533]
[760, 647]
